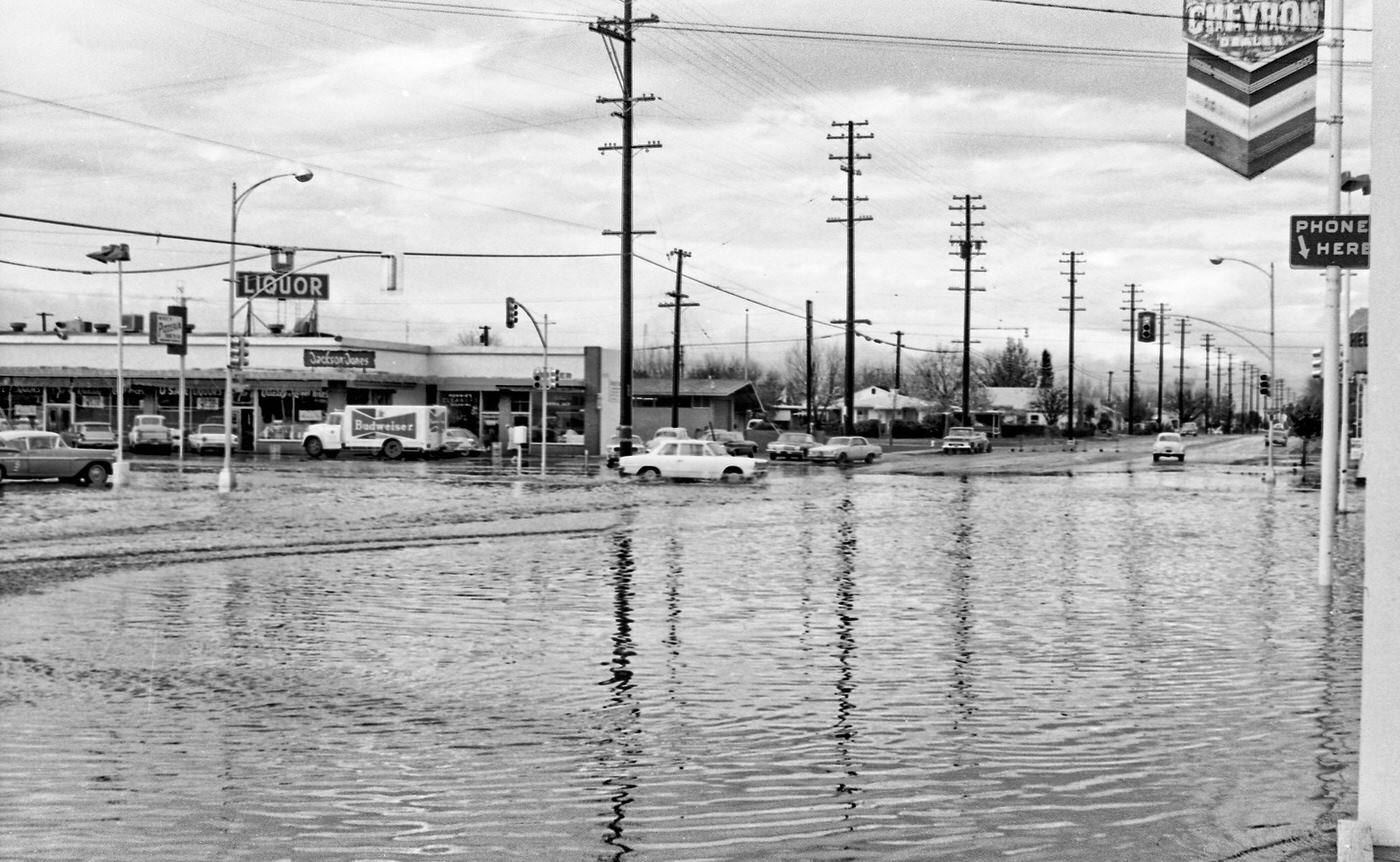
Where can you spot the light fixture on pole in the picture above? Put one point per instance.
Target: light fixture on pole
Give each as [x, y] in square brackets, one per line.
[226, 480]
[1268, 416]
[117, 254]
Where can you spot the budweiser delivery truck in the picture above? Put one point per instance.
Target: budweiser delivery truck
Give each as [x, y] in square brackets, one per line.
[388, 431]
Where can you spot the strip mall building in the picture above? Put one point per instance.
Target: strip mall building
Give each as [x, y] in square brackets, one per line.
[293, 380]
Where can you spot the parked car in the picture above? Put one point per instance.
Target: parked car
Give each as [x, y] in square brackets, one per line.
[458, 442]
[968, 440]
[691, 459]
[791, 445]
[1277, 436]
[208, 437]
[1169, 445]
[149, 431]
[91, 435]
[615, 447]
[844, 450]
[1189, 429]
[44, 455]
[734, 443]
[669, 433]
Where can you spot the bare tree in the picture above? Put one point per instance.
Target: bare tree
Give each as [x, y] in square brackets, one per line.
[937, 377]
[1053, 401]
[828, 372]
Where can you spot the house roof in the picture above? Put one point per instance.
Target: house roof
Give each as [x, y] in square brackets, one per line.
[878, 398]
[714, 387]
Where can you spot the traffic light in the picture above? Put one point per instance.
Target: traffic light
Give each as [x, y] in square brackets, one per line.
[539, 379]
[1147, 326]
[1264, 385]
[553, 377]
[512, 312]
[1317, 364]
[238, 353]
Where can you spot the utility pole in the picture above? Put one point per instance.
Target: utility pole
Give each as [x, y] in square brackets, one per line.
[967, 248]
[1073, 280]
[894, 396]
[1219, 372]
[1161, 360]
[1230, 388]
[621, 30]
[677, 304]
[850, 137]
[810, 395]
[1181, 370]
[1132, 290]
[1207, 338]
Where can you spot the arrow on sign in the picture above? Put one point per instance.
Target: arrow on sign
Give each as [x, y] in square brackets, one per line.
[1302, 249]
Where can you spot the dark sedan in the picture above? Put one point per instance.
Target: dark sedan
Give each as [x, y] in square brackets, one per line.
[734, 443]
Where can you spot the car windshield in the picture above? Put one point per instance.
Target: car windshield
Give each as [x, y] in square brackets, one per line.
[95, 427]
[792, 438]
[211, 429]
[1170, 438]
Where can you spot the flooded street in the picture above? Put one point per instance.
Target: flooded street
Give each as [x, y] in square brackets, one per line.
[397, 661]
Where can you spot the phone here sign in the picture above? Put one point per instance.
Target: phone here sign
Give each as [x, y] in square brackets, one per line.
[1320, 241]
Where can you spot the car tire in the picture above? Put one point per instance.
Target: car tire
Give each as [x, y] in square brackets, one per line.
[392, 450]
[841, 458]
[314, 448]
[648, 474]
[731, 474]
[870, 459]
[95, 473]
[1156, 458]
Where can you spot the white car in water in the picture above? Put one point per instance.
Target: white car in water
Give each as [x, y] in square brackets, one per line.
[691, 459]
[846, 450]
[1169, 445]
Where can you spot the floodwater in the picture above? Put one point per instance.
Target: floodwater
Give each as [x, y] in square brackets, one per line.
[400, 663]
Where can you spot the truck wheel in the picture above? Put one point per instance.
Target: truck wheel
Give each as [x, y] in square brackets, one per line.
[314, 449]
[393, 450]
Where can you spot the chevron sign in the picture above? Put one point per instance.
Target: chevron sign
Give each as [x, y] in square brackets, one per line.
[1251, 72]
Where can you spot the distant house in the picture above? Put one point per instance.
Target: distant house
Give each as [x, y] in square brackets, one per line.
[725, 404]
[882, 405]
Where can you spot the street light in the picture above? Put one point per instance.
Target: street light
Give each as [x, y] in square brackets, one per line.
[226, 481]
[116, 254]
[1273, 377]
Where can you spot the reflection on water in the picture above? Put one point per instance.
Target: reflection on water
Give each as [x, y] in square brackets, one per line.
[823, 666]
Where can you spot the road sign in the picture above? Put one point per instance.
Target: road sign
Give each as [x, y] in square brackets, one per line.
[1320, 241]
[272, 285]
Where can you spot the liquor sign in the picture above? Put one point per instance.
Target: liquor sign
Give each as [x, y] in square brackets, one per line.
[274, 285]
[1251, 89]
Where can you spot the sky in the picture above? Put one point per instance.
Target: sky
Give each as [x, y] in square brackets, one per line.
[469, 139]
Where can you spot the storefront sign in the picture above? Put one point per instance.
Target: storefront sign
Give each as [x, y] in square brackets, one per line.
[313, 358]
[271, 285]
